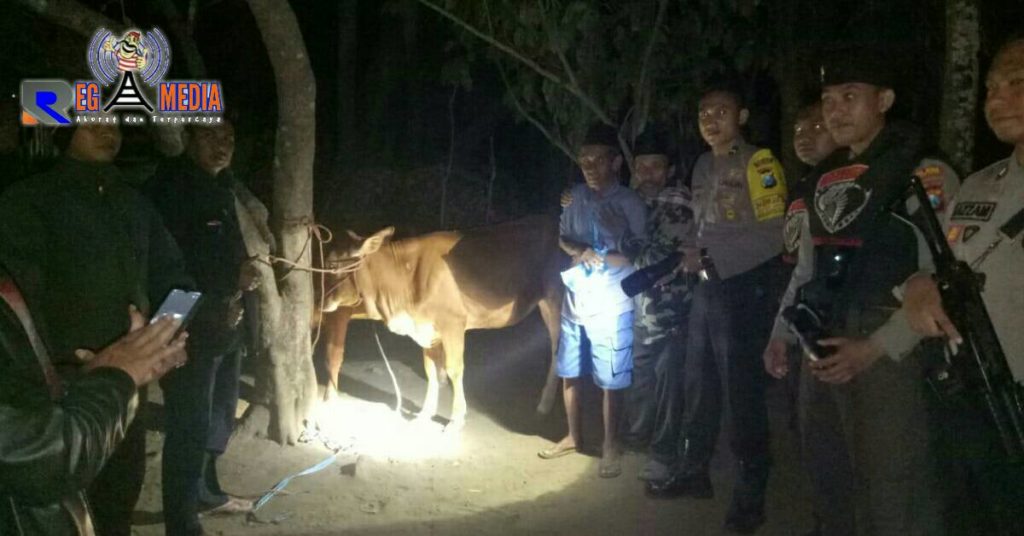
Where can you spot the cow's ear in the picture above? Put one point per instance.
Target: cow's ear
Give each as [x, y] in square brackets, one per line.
[372, 244]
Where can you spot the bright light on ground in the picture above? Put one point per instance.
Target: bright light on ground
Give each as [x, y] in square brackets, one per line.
[376, 431]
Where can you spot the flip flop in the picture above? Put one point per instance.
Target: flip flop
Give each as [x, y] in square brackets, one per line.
[554, 451]
[233, 506]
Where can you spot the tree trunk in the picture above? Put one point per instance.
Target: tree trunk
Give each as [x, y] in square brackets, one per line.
[959, 96]
[287, 302]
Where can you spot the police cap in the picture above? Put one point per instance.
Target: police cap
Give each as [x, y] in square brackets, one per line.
[861, 64]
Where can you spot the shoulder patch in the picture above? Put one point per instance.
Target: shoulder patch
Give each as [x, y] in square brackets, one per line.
[767, 184]
[933, 178]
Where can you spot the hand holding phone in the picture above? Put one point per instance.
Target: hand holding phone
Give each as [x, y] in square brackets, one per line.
[179, 305]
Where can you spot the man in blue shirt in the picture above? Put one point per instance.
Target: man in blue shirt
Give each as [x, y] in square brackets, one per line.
[597, 317]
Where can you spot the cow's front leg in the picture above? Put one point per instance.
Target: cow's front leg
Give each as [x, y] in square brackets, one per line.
[337, 330]
[454, 343]
[433, 360]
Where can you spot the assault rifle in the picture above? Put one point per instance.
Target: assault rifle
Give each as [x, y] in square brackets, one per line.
[979, 365]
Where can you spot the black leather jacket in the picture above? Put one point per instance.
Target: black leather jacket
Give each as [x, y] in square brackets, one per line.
[50, 450]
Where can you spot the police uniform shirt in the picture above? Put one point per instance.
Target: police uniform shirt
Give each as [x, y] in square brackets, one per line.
[739, 204]
[986, 201]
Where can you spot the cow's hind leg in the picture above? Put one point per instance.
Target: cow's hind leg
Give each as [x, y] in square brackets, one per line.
[433, 360]
[551, 312]
[454, 344]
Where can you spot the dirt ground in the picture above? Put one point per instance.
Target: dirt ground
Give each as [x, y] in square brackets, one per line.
[396, 478]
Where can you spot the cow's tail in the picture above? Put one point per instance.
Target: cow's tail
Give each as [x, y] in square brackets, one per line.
[394, 380]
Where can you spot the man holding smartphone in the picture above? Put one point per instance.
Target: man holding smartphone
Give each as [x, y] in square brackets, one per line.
[83, 246]
[57, 432]
[194, 194]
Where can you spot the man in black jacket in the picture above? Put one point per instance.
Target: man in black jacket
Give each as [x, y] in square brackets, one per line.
[55, 435]
[83, 246]
[862, 402]
[193, 193]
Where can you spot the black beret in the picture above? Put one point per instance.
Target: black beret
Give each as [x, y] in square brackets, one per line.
[602, 134]
[864, 65]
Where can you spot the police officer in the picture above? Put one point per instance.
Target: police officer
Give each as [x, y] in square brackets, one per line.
[739, 203]
[654, 403]
[863, 419]
[993, 500]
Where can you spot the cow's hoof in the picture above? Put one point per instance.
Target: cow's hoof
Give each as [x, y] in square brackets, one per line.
[423, 422]
[330, 394]
[455, 426]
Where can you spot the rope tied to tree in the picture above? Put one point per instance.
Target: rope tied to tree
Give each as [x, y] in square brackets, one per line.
[322, 235]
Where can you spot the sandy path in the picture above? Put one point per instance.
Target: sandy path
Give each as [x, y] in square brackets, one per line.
[406, 480]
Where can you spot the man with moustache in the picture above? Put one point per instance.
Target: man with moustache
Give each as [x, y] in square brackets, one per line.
[654, 402]
[987, 495]
[194, 195]
[863, 419]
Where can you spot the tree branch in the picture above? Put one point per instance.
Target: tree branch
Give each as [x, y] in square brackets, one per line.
[70, 14]
[556, 141]
[642, 97]
[491, 40]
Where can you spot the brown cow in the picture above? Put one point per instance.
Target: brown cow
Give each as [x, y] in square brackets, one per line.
[434, 287]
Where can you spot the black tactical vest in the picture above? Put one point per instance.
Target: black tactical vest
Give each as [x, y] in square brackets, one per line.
[861, 249]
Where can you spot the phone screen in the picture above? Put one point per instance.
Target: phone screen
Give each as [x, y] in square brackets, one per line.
[180, 305]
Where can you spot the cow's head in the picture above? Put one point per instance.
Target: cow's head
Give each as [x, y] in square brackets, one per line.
[349, 259]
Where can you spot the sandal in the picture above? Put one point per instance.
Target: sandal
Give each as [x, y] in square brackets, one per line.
[555, 451]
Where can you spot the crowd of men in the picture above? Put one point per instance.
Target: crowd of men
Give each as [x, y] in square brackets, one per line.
[85, 259]
[841, 245]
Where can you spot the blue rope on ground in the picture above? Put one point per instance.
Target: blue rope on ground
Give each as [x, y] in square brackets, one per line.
[284, 483]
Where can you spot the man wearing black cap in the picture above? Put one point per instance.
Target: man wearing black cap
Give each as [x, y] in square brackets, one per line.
[654, 402]
[739, 202]
[596, 313]
[863, 418]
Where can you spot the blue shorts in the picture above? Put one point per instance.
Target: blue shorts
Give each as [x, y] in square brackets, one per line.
[601, 345]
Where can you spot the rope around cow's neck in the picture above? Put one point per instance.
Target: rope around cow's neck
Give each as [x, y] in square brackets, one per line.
[323, 235]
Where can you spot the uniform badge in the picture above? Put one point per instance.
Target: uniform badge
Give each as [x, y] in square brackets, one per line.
[973, 210]
[838, 199]
[795, 217]
[767, 185]
[932, 178]
[954, 233]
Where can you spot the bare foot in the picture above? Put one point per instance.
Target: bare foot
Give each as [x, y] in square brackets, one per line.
[611, 462]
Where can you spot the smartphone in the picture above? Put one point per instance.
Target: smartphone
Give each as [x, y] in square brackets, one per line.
[806, 325]
[180, 305]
